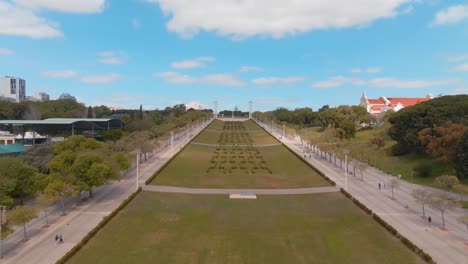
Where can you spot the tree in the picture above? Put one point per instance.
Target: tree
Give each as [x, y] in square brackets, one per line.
[141, 112]
[407, 122]
[445, 142]
[447, 182]
[39, 156]
[58, 188]
[90, 112]
[43, 201]
[17, 178]
[442, 203]
[362, 167]
[393, 184]
[421, 196]
[462, 161]
[464, 220]
[22, 215]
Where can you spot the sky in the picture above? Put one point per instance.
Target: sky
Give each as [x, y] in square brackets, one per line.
[276, 53]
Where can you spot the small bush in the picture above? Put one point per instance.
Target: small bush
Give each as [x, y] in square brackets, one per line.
[399, 150]
[424, 169]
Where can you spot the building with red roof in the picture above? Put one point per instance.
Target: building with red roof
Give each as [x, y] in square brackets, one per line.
[383, 104]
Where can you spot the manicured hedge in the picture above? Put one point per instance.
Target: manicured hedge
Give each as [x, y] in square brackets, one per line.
[150, 179]
[96, 229]
[426, 257]
[301, 158]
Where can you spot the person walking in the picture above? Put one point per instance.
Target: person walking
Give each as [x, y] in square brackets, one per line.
[56, 238]
[380, 186]
[61, 239]
[429, 219]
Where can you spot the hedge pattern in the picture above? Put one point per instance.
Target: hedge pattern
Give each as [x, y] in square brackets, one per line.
[150, 179]
[96, 229]
[426, 257]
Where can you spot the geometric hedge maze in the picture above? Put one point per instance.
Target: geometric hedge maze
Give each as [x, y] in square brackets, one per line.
[235, 153]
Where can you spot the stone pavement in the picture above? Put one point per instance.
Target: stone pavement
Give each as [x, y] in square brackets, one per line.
[403, 213]
[81, 218]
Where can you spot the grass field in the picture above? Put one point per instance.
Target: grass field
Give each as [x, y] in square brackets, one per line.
[176, 228]
[237, 159]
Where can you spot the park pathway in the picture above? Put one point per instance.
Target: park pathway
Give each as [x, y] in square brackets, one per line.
[81, 218]
[173, 189]
[403, 212]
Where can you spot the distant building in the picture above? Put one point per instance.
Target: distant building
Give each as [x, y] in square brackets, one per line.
[6, 138]
[40, 97]
[67, 96]
[383, 104]
[13, 89]
[193, 105]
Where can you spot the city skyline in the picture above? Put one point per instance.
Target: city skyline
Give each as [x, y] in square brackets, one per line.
[159, 53]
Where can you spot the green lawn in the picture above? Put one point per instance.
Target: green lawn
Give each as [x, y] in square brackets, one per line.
[176, 228]
[228, 166]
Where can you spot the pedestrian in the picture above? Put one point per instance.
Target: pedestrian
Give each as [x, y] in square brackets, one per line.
[310, 156]
[61, 239]
[56, 238]
[429, 219]
[380, 186]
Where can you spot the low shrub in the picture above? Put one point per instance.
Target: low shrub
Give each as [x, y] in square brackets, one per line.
[424, 169]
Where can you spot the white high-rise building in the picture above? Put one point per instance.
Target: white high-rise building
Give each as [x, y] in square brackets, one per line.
[41, 97]
[13, 88]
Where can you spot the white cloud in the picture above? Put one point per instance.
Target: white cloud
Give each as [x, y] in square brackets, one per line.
[100, 79]
[462, 68]
[18, 21]
[277, 80]
[61, 74]
[275, 18]
[406, 84]
[193, 63]
[250, 69]
[222, 79]
[4, 51]
[372, 70]
[70, 6]
[451, 15]
[93, 79]
[460, 57]
[112, 57]
[338, 81]
[136, 23]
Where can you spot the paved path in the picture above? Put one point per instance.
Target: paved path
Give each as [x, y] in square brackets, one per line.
[42, 249]
[403, 213]
[222, 145]
[172, 189]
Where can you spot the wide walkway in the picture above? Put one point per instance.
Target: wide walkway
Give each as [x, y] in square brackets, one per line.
[403, 212]
[224, 145]
[172, 189]
[81, 218]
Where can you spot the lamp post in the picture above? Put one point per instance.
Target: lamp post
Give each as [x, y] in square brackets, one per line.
[3, 221]
[346, 152]
[138, 170]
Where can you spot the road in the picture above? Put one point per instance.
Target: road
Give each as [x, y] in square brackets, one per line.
[403, 212]
[81, 218]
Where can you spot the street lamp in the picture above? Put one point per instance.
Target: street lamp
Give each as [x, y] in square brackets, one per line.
[137, 170]
[346, 152]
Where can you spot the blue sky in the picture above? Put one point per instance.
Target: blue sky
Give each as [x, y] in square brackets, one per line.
[273, 52]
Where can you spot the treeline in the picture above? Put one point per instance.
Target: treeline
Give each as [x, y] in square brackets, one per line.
[52, 172]
[438, 127]
[343, 119]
